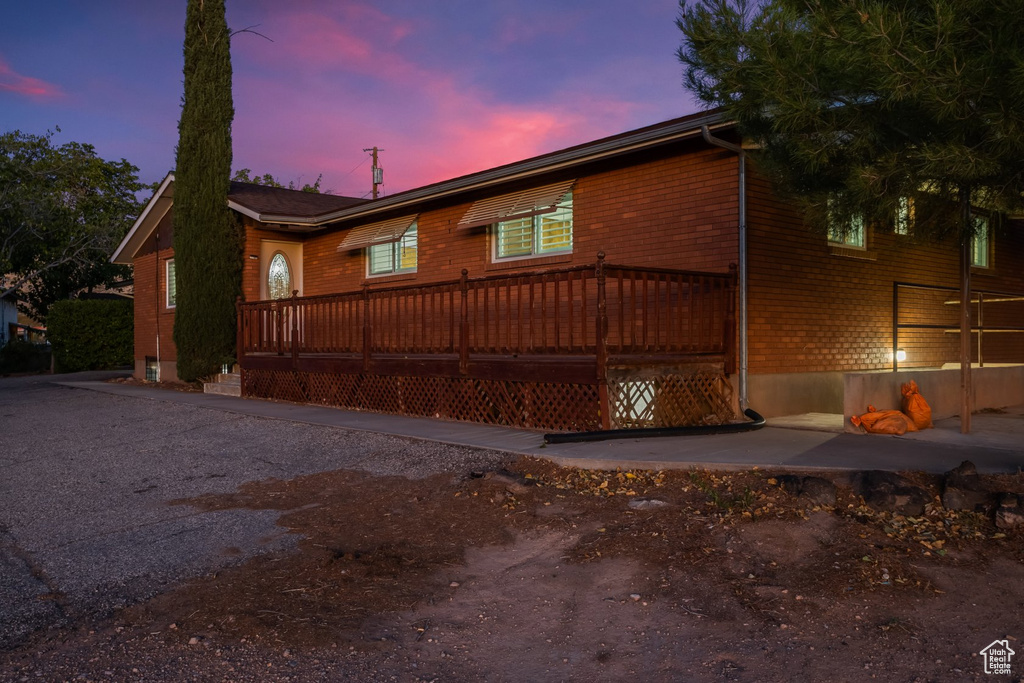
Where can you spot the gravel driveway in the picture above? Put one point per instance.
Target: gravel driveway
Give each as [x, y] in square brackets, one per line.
[86, 482]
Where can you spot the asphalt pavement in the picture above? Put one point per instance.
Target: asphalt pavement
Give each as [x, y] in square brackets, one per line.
[94, 477]
[89, 482]
[799, 442]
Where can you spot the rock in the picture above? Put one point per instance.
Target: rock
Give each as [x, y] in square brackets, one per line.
[966, 468]
[889, 492]
[647, 504]
[818, 491]
[512, 482]
[790, 483]
[962, 489]
[813, 490]
[1010, 513]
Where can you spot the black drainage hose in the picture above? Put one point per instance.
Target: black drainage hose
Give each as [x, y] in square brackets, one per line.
[602, 435]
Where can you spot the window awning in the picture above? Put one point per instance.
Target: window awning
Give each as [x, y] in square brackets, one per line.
[382, 232]
[515, 205]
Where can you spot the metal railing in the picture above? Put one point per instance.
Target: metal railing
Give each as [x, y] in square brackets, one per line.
[929, 307]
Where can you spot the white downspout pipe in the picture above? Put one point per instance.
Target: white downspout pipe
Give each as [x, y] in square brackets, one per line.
[742, 266]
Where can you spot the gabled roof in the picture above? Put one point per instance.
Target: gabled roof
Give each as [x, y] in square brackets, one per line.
[264, 203]
[260, 202]
[154, 211]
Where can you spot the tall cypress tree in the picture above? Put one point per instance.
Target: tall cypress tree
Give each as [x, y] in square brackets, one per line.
[207, 237]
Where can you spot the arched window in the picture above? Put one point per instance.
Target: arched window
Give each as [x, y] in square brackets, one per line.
[279, 277]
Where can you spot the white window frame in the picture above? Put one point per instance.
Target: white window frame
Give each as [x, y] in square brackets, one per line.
[981, 243]
[408, 240]
[563, 211]
[170, 297]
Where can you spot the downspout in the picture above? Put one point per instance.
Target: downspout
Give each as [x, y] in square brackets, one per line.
[156, 298]
[742, 257]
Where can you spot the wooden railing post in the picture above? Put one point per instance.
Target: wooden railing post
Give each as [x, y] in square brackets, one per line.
[295, 329]
[239, 332]
[464, 324]
[602, 345]
[367, 330]
[278, 308]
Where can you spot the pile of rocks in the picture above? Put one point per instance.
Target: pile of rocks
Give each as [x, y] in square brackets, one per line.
[962, 489]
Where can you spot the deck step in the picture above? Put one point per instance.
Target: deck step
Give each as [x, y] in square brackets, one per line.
[224, 384]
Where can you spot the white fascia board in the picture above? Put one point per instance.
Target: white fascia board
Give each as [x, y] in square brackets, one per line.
[151, 205]
[255, 215]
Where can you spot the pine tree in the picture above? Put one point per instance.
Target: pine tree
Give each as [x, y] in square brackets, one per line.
[207, 237]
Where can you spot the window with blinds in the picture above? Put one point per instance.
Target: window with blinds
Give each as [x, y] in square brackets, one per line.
[394, 257]
[545, 233]
[172, 285]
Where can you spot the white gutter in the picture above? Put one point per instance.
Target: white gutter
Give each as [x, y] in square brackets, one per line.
[743, 257]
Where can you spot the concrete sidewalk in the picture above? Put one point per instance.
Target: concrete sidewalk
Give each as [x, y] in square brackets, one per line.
[997, 444]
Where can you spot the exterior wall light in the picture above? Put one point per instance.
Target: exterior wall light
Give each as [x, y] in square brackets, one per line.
[901, 355]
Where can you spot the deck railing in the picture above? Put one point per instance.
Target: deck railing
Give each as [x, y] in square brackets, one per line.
[598, 310]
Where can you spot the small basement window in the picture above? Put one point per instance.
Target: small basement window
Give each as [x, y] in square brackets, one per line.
[152, 369]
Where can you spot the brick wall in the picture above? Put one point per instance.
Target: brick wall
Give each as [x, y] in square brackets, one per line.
[151, 312]
[678, 212]
[812, 308]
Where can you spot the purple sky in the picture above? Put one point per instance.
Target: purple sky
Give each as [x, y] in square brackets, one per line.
[444, 87]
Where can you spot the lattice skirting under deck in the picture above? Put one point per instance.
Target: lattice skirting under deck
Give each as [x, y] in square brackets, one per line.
[646, 399]
[531, 405]
[636, 400]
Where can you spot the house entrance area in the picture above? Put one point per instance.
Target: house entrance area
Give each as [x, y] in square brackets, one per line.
[572, 349]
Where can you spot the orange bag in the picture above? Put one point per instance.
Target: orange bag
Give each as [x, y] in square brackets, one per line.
[915, 407]
[884, 422]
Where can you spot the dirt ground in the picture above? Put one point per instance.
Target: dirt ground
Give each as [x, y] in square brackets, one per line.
[542, 573]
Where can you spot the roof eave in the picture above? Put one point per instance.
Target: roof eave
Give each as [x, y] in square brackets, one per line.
[644, 139]
[151, 215]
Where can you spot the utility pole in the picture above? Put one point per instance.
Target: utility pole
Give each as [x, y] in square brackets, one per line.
[378, 172]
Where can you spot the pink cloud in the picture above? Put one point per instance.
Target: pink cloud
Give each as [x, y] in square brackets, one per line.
[454, 133]
[33, 88]
[454, 129]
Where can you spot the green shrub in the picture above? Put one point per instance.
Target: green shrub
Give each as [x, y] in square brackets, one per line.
[22, 356]
[90, 334]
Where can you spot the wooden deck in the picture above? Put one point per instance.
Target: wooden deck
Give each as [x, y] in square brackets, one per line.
[544, 345]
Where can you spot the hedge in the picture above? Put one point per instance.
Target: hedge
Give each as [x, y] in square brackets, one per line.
[21, 356]
[91, 334]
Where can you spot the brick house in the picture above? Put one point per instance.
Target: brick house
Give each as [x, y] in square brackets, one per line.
[622, 282]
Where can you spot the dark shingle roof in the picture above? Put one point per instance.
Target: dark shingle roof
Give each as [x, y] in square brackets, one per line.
[280, 201]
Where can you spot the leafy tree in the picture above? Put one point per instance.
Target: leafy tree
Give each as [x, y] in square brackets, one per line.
[858, 106]
[63, 209]
[242, 175]
[207, 238]
[67, 281]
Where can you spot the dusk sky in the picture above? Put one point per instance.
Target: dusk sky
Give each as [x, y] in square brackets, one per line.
[444, 87]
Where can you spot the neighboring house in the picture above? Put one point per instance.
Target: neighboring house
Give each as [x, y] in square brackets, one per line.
[597, 286]
[8, 318]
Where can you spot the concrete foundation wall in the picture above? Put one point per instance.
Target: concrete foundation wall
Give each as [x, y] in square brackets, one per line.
[993, 387]
[794, 393]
